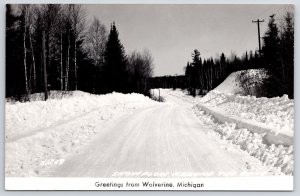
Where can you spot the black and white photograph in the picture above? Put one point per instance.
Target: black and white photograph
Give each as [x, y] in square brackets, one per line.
[149, 97]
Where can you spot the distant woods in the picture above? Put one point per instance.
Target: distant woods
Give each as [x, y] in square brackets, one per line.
[52, 47]
[276, 58]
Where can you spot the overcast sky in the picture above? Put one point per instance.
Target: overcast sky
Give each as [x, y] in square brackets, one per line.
[172, 32]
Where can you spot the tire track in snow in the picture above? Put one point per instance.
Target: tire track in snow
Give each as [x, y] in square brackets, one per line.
[166, 139]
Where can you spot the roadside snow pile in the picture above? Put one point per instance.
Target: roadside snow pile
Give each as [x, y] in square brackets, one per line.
[279, 157]
[228, 115]
[40, 134]
[22, 118]
[264, 127]
[275, 113]
[230, 85]
[245, 121]
[243, 82]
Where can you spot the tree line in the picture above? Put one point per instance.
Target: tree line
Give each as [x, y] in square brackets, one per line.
[51, 47]
[203, 75]
[276, 58]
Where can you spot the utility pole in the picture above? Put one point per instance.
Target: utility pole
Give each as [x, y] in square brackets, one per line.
[259, 46]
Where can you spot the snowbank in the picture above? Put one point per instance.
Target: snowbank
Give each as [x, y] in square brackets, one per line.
[248, 122]
[251, 79]
[263, 115]
[277, 156]
[230, 85]
[264, 127]
[272, 116]
[40, 134]
[24, 118]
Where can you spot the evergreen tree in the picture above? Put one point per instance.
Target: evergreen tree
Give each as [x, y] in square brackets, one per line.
[271, 44]
[115, 74]
[287, 54]
[270, 50]
[197, 69]
[222, 66]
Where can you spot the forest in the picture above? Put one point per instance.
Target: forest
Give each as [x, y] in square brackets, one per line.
[52, 47]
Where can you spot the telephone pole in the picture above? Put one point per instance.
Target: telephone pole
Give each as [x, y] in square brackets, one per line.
[258, 21]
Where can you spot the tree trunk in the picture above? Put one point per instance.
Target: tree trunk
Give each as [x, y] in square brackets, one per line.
[25, 64]
[61, 63]
[48, 50]
[45, 68]
[33, 63]
[68, 64]
[145, 85]
[75, 63]
[159, 94]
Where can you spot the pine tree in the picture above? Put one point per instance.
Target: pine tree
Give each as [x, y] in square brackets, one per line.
[271, 44]
[222, 66]
[197, 65]
[115, 63]
[270, 50]
[287, 53]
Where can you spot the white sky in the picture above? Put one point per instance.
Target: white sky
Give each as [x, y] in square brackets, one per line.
[172, 32]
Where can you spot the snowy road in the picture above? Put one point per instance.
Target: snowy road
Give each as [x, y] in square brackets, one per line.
[165, 140]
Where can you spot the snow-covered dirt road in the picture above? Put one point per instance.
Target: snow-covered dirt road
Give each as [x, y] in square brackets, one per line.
[162, 140]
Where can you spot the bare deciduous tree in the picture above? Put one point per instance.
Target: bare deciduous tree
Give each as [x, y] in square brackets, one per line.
[95, 42]
[140, 67]
[61, 28]
[30, 23]
[25, 14]
[78, 24]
